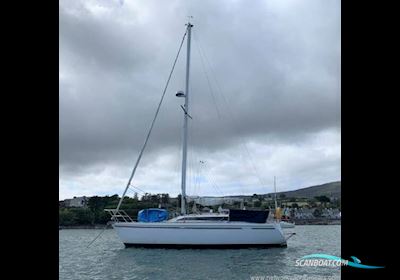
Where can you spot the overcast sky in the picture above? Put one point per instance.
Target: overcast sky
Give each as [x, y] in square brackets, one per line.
[270, 106]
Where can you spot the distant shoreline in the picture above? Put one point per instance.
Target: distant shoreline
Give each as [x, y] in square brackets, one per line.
[84, 227]
[319, 221]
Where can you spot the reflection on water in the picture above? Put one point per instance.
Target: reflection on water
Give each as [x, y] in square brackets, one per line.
[107, 258]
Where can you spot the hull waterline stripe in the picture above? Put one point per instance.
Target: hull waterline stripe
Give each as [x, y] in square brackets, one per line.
[205, 246]
[188, 227]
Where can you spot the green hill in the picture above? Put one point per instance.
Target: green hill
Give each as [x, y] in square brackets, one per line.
[332, 189]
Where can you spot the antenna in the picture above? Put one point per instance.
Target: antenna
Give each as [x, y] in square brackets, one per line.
[189, 20]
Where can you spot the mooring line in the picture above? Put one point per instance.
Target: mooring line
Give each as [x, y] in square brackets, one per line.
[105, 227]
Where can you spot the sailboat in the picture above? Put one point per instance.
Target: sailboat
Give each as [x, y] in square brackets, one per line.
[284, 224]
[240, 228]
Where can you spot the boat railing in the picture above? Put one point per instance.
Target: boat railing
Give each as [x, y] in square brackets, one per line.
[119, 216]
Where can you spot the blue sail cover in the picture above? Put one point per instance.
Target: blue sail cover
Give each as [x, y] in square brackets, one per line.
[152, 215]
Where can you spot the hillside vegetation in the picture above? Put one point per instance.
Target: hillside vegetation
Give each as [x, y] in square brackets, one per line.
[92, 213]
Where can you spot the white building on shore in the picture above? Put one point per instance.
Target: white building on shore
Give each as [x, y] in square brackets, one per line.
[76, 202]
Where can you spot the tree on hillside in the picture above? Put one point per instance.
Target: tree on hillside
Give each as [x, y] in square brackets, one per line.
[83, 216]
[165, 198]
[66, 217]
[96, 206]
[323, 199]
[336, 203]
[96, 203]
[146, 197]
[257, 203]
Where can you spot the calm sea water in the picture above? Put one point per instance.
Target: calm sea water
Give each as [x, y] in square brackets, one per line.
[107, 258]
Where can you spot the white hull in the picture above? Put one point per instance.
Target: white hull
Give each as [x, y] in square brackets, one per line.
[167, 234]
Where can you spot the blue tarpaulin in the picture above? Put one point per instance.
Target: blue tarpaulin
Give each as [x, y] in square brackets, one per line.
[152, 215]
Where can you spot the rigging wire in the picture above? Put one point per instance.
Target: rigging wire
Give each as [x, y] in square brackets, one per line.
[212, 182]
[191, 168]
[262, 184]
[201, 170]
[208, 80]
[148, 134]
[136, 188]
[153, 122]
[195, 161]
[191, 156]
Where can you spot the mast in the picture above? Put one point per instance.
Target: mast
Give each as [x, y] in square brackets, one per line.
[276, 203]
[185, 123]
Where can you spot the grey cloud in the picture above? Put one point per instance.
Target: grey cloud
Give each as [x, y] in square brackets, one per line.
[277, 65]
